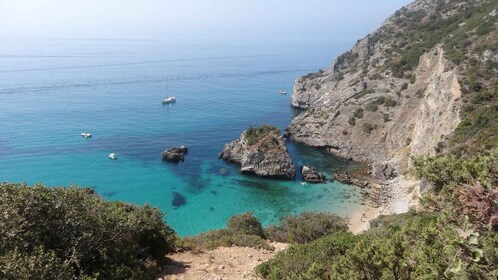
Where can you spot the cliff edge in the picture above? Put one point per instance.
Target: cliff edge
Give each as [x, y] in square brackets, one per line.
[398, 93]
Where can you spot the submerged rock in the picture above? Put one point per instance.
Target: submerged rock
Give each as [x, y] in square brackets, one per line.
[178, 200]
[311, 174]
[175, 154]
[261, 151]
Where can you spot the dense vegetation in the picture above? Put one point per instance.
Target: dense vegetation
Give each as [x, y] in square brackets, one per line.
[253, 135]
[71, 233]
[455, 237]
[246, 230]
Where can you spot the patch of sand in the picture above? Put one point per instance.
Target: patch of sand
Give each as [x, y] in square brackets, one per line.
[221, 263]
[360, 220]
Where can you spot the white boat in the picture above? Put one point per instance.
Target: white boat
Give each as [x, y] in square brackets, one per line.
[86, 135]
[169, 100]
[113, 156]
[282, 92]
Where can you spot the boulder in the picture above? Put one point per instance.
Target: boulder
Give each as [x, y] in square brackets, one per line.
[261, 151]
[175, 154]
[383, 171]
[347, 178]
[311, 174]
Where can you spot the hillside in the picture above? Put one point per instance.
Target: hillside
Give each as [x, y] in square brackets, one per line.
[425, 83]
[418, 101]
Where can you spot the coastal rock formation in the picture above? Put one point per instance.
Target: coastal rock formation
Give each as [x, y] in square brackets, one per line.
[377, 121]
[175, 154]
[261, 151]
[392, 97]
[351, 179]
[311, 174]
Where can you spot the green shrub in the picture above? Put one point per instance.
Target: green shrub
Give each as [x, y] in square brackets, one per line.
[404, 86]
[306, 227]
[420, 249]
[368, 127]
[413, 78]
[254, 135]
[390, 102]
[69, 233]
[372, 106]
[352, 121]
[358, 113]
[245, 224]
[242, 230]
[362, 93]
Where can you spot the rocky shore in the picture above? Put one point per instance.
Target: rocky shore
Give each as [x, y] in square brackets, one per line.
[261, 151]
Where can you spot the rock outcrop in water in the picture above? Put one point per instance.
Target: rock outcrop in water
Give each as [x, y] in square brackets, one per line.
[175, 154]
[311, 174]
[261, 151]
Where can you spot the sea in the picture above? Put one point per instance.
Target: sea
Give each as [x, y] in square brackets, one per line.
[51, 90]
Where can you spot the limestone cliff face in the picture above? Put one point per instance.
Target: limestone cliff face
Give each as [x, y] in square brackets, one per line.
[397, 92]
[387, 127]
[262, 152]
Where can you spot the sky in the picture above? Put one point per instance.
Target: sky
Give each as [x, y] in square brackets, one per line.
[216, 19]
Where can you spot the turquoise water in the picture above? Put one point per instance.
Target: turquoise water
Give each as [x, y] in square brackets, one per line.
[52, 90]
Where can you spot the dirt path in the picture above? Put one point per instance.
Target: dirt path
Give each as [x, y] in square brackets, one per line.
[222, 263]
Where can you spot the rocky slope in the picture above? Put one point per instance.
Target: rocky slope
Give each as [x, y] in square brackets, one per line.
[261, 151]
[398, 92]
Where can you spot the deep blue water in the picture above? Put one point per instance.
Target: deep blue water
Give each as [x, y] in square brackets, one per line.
[52, 90]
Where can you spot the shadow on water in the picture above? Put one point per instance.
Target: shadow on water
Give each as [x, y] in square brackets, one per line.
[178, 200]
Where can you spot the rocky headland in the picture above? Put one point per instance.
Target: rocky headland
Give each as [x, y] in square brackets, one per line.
[261, 151]
[388, 99]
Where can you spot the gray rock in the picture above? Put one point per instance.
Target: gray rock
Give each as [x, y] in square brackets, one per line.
[347, 178]
[311, 174]
[383, 171]
[175, 154]
[261, 152]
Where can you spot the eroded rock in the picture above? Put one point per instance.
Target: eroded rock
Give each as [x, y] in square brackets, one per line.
[261, 151]
[175, 154]
[311, 174]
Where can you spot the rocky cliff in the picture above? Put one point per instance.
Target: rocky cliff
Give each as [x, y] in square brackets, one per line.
[398, 92]
[261, 151]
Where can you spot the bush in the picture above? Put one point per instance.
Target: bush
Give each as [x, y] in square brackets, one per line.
[423, 248]
[224, 238]
[358, 113]
[352, 121]
[253, 135]
[368, 127]
[242, 230]
[245, 224]
[404, 86]
[69, 233]
[390, 102]
[372, 106]
[306, 227]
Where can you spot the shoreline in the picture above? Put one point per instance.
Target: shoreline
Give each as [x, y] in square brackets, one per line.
[394, 196]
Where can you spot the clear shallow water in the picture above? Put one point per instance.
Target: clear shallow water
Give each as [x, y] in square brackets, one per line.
[51, 90]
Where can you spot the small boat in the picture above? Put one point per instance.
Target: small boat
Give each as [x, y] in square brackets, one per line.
[113, 156]
[169, 100]
[86, 135]
[282, 92]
